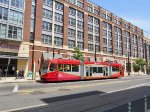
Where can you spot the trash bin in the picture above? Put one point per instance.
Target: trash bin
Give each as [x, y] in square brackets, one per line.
[30, 74]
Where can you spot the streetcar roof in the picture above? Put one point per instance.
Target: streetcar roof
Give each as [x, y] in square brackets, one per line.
[77, 62]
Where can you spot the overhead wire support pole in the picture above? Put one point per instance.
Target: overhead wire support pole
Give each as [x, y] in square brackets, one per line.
[33, 47]
[95, 53]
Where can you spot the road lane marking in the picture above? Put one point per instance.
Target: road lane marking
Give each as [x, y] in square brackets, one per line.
[15, 89]
[132, 87]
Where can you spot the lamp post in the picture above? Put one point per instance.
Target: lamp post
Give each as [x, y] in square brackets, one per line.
[53, 52]
[128, 63]
[95, 53]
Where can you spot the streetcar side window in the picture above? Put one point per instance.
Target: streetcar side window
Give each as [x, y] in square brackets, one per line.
[75, 68]
[97, 70]
[67, 68]
[44, 67]
[60, 67]
[115, 69]
[52, 67]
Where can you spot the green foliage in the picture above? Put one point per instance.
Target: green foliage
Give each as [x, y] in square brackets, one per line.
[77, 54]
[139, 65]
[136, 67]
[148, 67]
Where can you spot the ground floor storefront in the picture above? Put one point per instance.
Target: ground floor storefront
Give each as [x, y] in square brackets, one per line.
[13, 57]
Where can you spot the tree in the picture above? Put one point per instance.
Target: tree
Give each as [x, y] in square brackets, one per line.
[139, 65]
[148, 67]
[77, 54]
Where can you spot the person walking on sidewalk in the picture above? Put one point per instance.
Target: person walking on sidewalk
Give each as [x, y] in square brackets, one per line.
[22, 73]
[17, 74]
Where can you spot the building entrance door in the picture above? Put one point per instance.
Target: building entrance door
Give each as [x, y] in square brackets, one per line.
[11, 68]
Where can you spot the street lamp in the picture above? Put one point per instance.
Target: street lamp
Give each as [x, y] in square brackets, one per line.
[95, 53]
[128, 63]
[53, 52]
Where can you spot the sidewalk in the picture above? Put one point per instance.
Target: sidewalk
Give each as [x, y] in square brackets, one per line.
[14, 80]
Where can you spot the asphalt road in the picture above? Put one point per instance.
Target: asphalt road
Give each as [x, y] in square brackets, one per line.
[112, 95]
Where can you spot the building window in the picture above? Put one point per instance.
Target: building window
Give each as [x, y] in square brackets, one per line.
[90, 19]
[58, 41]
[59, 6]
[3, 13]
[97, 39]
[17, 3]
[114, 20]
[4, 1]
[108, 18]
[104, 41]
[103, 15]
[80, 45]
[46, 26]
[72, 33]
[2, 31]
[14, 32]
[104, 33]
[33, 10]
[47, 14]
[72, 1]
[47, 39]
[58, 17]
[80, 14]
[97, 30]
[89, 9]
[109, 27]
[48, 3]
[32, 24]
[96, 11]
[72, 11]
[105, 49]
[97, 48]
[71, 44]
[58, 29]
[33, 1]
[16, 17]
[96, 21]
[80, 24]
[79, 4]
[72, 22]
[90, 47]
[90, 28]
[104, 25]
[31, 39]
[90, 38]
[80, 35]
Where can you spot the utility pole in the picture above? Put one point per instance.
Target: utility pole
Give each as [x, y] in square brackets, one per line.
[33, 47]
[128, 63]
[95, 53]
[53, 52]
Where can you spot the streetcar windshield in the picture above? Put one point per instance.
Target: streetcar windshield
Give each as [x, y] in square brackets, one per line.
[44, 67]
[53, 67]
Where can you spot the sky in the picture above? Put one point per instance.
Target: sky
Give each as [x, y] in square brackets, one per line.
[134, 11]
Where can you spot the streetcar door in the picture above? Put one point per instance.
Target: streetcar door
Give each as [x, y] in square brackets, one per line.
[89, 71]
[105, 71]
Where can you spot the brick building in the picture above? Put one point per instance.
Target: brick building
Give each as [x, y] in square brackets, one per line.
[33, 27]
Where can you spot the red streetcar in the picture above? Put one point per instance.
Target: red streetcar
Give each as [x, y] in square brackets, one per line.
[63, 70]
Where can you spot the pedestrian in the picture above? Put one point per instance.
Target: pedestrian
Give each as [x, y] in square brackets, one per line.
[17, 74]
[22, 73]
